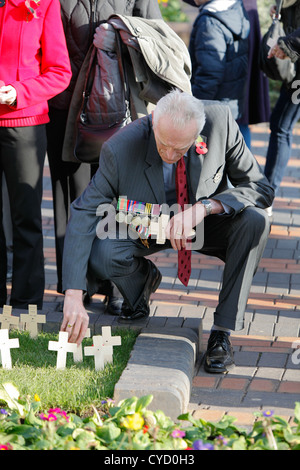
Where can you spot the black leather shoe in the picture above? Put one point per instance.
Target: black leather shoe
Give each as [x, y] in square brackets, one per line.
[142, 310]
[219, 354]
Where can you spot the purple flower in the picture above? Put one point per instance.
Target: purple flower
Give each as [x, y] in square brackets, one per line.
[3, 411]
[268, 413]
[200, 445]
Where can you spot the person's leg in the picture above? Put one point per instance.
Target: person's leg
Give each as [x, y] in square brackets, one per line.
[3, 258]
[239, 242]
[7, 227]
[68, 180]
[123, 262]
[23, 161]
[245, 130]
[283, 118]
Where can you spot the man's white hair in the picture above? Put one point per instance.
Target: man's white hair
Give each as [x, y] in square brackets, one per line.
[180, 108]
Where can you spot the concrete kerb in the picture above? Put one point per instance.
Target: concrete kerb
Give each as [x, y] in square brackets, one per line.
[162, 362]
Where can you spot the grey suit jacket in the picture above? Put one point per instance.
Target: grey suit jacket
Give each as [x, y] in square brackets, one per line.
[131, 166]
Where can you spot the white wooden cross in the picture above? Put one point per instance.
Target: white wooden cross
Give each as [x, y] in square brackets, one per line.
[158, 228]
[62, 347]
[77, 355]
[32, 319]
[102, 348]
[6, 345]
[6, 319]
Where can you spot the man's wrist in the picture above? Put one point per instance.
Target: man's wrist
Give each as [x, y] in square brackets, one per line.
[74, 293]
[212, 206]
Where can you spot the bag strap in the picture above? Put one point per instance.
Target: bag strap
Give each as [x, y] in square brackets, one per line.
[122, 68]
[278, 8]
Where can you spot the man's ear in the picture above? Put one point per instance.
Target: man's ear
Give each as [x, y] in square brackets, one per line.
[152, 114]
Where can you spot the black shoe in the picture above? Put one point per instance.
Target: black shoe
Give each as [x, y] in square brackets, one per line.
[219, 354]
[142, 310]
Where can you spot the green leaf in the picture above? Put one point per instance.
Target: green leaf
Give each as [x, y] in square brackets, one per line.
[109, 432]
[143, 402]
[10, 396]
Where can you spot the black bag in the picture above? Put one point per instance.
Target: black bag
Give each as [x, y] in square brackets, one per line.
[103, 112]
[283, 70]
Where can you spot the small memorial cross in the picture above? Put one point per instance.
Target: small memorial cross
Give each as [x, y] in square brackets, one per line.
[102, 349]
[6, 345]
[6, 319]
[77, 355]
[62, 347]
[108, 342]
[32, 319]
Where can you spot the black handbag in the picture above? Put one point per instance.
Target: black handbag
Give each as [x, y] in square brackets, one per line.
[98, 118]
[283, 70]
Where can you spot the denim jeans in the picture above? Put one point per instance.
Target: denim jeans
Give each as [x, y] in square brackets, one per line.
[283, 118]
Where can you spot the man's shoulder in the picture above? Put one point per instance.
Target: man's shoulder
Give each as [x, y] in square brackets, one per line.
[213, 106]
[216, 111]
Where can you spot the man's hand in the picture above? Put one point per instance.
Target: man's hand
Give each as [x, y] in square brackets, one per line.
[105, 38]
[8, 95]
[180, 227]
[276, 51]
[76, 319]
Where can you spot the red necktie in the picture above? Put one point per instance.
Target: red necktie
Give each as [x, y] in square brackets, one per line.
[184, 256]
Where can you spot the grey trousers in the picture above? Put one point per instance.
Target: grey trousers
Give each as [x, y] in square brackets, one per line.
[239, 241]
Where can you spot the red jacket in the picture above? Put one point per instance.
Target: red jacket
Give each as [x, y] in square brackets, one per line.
[33, 59]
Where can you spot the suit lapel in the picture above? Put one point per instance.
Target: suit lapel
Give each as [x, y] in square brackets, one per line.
[154, 171]
[194, 164]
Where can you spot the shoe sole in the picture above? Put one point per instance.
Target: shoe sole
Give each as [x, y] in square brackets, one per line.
[212, 370]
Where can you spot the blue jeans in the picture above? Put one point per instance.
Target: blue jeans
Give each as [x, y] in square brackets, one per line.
[283, 118]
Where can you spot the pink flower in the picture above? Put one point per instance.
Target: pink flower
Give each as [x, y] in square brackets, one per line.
[177, 433]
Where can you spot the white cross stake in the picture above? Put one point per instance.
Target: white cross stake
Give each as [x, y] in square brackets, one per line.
[6, 345]
[102, 349]
[108, 342]
[32, 319]
[62, 347]
[6, 319]
[77, 355]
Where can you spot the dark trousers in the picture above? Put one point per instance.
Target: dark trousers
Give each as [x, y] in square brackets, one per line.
[284, 116]
[22, 155]
[239, 241]
[68, 182]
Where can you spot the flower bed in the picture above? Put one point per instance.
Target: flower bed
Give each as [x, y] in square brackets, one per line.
[130, 425]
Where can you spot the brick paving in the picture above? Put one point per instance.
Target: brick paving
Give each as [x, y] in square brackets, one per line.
[267, 372]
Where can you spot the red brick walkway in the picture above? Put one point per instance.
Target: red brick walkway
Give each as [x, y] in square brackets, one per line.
[267, 375]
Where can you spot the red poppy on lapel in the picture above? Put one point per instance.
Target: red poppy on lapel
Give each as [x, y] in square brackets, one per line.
[201, 147]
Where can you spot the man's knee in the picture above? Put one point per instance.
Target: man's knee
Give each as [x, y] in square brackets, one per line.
[256, 222]
[109, 259]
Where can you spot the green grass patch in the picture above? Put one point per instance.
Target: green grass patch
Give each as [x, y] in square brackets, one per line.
[74, 389]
